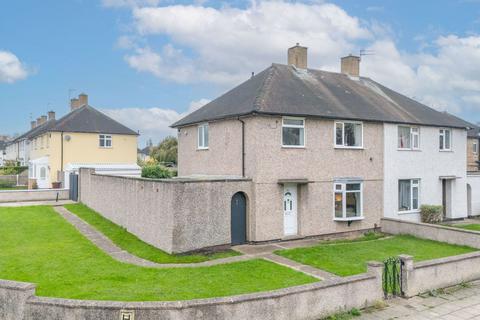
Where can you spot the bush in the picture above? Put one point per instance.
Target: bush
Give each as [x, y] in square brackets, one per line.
[431, 214]
[156, 172]
[12, 170]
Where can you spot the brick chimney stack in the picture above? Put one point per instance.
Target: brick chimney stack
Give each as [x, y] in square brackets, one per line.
[350, 65]
[297, 56]
[33, 124]
[39, 121]
[83, 99]
[51, 115]
[74, 104]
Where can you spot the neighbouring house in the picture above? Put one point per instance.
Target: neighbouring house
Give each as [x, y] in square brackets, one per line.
[144, 154]
[473, 159]
[84, 137]
[3, 147]
[325, 152]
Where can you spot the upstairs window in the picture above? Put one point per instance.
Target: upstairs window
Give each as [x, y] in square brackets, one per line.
[293, 132]
[203, 136]
[408, 138]
[408, 195]
[348, 201]
[105, 141]
[348, 134]
[445, 140]
[475, 147]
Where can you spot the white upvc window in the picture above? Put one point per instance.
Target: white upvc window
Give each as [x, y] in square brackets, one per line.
[475, 147]
[202, 141]
[348, 200]
[348, 134]
[408, 138]
[105, 141]
[445, 140]
[408, 195]
[293, 132]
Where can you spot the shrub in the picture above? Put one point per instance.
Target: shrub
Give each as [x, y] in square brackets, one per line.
[11, 170]
[156, 172]
[431, 214]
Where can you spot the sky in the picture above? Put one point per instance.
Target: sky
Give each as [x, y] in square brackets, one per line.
[147, 63]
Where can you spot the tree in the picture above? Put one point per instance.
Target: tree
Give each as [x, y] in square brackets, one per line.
[166, 151]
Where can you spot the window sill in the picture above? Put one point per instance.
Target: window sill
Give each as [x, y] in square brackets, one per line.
[353, 148]
[415, 150]
[445, 150]
[408, 212]
[293, 147]
[349, 219]
[105, 147]
[202, 149]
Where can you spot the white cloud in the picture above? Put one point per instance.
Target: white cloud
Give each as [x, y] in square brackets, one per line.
[229, 43]
[224, 45]
[152, 122]
[11, 68]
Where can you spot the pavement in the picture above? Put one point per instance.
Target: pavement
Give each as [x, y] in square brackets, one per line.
[455, 303]
[36, 203]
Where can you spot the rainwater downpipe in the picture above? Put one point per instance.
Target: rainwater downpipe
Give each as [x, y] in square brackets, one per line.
[243, 146]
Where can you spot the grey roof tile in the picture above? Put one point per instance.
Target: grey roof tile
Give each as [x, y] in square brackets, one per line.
[285, 90]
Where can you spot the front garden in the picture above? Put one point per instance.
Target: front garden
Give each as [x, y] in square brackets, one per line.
[37, 245]
[347, 258]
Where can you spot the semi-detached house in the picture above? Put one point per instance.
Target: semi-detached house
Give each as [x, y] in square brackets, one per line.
[325, 152]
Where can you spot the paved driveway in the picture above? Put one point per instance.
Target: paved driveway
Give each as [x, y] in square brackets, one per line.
[458, 303]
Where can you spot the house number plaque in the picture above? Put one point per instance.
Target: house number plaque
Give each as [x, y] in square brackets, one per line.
[127, 315]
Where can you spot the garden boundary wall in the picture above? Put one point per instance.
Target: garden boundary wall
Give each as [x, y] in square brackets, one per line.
[307, 302]
[175, 215]
[33, 195]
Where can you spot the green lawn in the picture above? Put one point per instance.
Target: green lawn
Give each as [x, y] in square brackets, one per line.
[37, 245]
[350, 258]
[14, 188]
[134, 245]
[473, 226]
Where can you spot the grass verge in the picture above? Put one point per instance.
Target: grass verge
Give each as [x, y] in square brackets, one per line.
[130, 243]
[37, 245]
[349, 258]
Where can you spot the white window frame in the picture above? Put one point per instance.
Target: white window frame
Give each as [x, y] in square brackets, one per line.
[201, 134]
[302, 127]
[412, 185]
[105, 138]
[442, 136]
[475, 147]
[343, 191]
[413, 134]
[343, 146]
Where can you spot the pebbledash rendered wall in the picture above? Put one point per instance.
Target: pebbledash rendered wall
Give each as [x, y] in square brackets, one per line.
[175, 215]
[33, 195]
[307, 302]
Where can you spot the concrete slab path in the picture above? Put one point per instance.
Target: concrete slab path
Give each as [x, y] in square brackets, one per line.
[456, 303]
[248, 251]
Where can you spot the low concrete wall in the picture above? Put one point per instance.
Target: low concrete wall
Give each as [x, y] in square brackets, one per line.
[173, 215]
[13, 298]
[33, 195]
[432, 232]
[307, 302]
[440, 273]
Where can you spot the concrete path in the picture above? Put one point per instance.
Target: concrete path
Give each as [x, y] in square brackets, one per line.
[249, 251]
[456, 303]
[36, 203]
[117, 253]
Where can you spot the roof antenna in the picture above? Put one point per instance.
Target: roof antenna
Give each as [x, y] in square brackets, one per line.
[253, 74]
[70, 91]
[366, 52]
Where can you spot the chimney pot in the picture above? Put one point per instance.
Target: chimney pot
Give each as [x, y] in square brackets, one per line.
[297, 56]
[51, 115]
[350, 65]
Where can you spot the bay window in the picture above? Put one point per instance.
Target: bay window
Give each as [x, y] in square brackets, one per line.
[348, 134]
[293, 132]
[408, 138]
[445, 139]
[203, 136]
[348, 200]
[408, 195]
